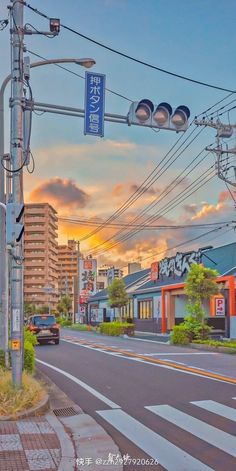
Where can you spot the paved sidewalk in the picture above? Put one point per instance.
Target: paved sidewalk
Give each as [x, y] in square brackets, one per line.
[64, 439]
[33, 444]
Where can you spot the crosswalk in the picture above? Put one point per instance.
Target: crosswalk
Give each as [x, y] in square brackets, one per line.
[170, 456]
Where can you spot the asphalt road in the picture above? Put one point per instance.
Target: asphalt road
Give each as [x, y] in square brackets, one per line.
[165, 404]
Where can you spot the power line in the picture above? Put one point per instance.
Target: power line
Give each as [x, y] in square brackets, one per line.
[175, 201]
[132, 234]
[77, 75]
[79, 221]
[148, 182]
[122, 54]
[186, 242]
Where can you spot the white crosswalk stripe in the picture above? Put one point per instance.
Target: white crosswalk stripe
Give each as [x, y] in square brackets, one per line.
[222, 440]
[167, 454]
[217, 408]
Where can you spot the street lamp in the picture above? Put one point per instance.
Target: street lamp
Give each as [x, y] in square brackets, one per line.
[84, 62]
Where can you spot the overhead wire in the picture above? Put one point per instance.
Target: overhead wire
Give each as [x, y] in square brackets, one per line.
[197, 185]
[192, 188]
[187, 242]
[127, 56]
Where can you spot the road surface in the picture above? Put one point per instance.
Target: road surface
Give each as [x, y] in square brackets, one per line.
[161, 404]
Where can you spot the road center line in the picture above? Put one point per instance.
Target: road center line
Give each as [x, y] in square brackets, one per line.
[85, 386]
[195, 371]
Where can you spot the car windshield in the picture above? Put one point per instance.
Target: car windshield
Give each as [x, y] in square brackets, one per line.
[44, 320]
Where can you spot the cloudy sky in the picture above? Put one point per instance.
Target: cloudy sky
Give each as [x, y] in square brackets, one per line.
[90, 178]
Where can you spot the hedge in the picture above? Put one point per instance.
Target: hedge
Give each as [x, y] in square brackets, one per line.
[116, 328]
[29, 357]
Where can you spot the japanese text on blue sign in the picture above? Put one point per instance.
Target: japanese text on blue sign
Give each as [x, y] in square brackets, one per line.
[94, 104]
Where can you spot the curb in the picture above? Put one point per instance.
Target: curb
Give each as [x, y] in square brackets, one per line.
[39, 409]
[91, 441]
[68, 461]
[211, 348]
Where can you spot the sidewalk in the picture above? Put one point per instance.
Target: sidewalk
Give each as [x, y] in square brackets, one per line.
[64, 439]
[35, 444]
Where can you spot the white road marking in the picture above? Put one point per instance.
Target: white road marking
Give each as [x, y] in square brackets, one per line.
[184, 353]
[222, 440]
[168, 455]
[88, 388]
[217, 408]
[122, 355]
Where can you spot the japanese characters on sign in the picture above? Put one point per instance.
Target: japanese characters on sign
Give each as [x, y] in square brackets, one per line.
[154, 271]
[87, 279]
[94, 104]
[180, 264]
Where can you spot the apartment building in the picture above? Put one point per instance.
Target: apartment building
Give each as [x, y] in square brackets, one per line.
[41, 255]
[106, 275]
[67, 267]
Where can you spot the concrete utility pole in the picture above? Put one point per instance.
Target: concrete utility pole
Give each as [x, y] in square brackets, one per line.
[16, 153]
[223, 166]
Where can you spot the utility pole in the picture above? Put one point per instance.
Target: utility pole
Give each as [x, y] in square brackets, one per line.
[223, 164]
[16, 155]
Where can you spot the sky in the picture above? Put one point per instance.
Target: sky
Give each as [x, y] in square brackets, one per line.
[88, 177]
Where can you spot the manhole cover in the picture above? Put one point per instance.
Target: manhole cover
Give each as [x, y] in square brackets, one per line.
[65, 412]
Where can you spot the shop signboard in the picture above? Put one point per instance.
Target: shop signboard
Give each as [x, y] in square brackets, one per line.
[97, 315]
[154, 271]
[87, 277]
[180, 264]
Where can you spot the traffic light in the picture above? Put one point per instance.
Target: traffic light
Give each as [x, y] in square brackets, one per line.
[14, 228]
[145, 113]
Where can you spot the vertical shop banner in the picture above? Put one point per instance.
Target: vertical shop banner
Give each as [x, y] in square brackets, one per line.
[87, 279]
[154, 271]
[94, 108]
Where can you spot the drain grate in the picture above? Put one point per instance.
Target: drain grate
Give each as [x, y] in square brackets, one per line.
[65, 412]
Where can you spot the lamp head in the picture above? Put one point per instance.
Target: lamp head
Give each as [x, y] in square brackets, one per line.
[86, 62]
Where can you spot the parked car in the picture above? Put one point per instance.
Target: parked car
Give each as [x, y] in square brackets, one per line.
[45, 328]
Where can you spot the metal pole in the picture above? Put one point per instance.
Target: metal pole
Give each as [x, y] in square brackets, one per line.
[3, 264]
[16, 153]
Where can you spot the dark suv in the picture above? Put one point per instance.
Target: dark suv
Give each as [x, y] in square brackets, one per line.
[45, 328]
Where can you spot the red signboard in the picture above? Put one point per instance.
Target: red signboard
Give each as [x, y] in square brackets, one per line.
[88, 264]
[154, 271]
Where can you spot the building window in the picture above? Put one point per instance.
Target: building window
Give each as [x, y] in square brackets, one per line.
[128, 310]
[145, 309]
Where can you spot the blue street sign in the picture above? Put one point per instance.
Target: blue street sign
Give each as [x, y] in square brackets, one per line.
[94, 104]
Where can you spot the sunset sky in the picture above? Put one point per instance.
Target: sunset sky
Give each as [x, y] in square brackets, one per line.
[90, 178]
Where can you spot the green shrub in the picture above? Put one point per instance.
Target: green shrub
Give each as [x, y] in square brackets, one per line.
[30, 337]
[116, 328]
[81, 327]
[64, 322]
[2, 359]
[217, 343]
[180, 335]
[29, 357]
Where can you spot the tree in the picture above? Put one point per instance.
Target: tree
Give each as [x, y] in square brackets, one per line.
[117, 296]
[64, 305]
[200, 284]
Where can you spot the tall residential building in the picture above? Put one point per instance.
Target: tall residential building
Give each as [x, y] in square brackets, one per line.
[106, 274]
[41, 255]
[67, 267]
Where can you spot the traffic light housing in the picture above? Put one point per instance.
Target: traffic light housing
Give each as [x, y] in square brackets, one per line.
[145, 113]
[14, 225]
